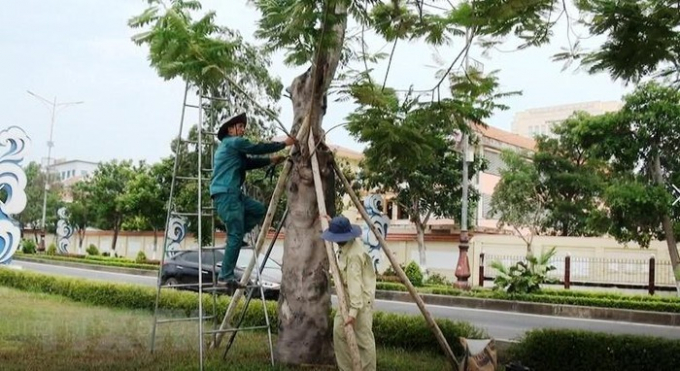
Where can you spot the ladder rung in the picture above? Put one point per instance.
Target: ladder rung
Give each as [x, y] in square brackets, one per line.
[235, 329]
[204, 248]
[192, 178]
[185, 285]
[191, 214]
[189, 141]
[207, 170]
[169, 320]
[209, 133]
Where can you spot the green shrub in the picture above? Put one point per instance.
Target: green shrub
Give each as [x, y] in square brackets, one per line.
[437, 279]
[106, 253]
[141, 257]
[52, 249]
[92, 250]
[569, 350]
[524, 277]
[28, 246]
[404, 331]
[414, 274]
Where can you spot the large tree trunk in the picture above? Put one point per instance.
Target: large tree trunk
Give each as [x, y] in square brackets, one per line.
[305, 331]
[666, 221]
[420, 235]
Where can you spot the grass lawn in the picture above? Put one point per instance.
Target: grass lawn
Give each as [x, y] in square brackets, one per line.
[46, 332]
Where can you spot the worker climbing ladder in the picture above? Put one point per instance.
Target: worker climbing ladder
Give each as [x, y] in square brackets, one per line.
[175, 231]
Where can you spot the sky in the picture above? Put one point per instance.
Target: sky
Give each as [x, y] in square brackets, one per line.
[81, 50]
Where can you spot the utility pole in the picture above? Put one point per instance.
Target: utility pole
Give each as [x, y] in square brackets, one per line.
[463, 266]
[50, 144]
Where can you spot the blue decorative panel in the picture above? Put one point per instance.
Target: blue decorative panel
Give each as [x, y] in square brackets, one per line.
[373, 205]
[13, 144]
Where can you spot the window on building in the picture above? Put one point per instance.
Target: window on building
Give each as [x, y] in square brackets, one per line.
[486, 208]
[495, 163]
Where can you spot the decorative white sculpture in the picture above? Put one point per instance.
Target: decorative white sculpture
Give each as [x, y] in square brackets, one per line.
[177, 230]
[64, 231]
[373, 205]
[13, 143]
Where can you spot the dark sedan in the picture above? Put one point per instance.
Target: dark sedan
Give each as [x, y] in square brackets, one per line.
[182, 269]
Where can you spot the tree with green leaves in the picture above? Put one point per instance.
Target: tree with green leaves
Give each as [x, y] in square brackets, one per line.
[519, 198]
[217, 62]
[412, 153]
[640, 143]
[573, 180]
[35, 190]
[315, 34]
[107, 192]
[81, 210]
[144, 202]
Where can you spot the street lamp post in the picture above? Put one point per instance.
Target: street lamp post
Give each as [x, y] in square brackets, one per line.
[463, 265]
[50, 144]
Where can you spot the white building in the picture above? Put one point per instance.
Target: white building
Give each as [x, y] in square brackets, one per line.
[540, 121]
[72, 169]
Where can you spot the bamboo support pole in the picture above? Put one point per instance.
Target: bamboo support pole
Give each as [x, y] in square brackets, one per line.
[268, 219]
[335, 271]
[419, 301]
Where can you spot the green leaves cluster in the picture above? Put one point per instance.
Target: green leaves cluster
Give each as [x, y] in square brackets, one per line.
[524, 277]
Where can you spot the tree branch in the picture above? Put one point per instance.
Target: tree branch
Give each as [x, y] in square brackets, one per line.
[389, 63]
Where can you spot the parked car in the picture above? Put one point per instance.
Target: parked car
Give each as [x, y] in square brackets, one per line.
[182, 268]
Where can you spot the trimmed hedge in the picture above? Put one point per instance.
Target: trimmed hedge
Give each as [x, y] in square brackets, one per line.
[569, 350]
[402, 331]
[94, 260]
[578, 298]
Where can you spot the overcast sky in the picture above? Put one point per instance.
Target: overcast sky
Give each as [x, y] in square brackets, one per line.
[80, 50]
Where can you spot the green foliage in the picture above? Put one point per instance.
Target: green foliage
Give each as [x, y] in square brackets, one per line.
[92, 250]
[389, 329]
[436, 279]
[414, 274]
[519, 199]
[567, 350]
[35, 192]
[573, 180]
[141, 257]
[28, 246]
[81, 210]
[199, 51]
[641, 38]
[524, 277]
[630, 141]
[52, 249]
[100, 260]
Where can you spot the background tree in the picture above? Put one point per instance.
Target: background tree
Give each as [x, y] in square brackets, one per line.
[573, 181]
[107, 195]
[519, 199]
[81, 210]
[143, 200]
[640, 143]
[35, 188]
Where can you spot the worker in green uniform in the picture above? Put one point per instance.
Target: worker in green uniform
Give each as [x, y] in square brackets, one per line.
[358, 276]
[239, 213]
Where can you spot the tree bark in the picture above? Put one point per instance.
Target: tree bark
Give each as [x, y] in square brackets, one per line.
[305, 332]
[420, 229]
[116, 228]
[666, 221]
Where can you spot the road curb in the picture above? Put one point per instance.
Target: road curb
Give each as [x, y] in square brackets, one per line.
[94, 267]
[561, 310]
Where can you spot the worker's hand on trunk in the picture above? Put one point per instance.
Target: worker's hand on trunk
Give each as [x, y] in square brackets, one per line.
[277, 159]
[290, 141]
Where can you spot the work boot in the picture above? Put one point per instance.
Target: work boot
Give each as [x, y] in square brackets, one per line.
[230, 284]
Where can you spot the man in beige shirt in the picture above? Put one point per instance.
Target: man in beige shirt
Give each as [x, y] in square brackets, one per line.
[358, 275]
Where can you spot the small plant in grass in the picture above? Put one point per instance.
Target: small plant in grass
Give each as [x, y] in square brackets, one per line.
[414, 274]
[28, 246]
[92, 250]
[524, 277]
[436, 279]
[52, 249]
[141, 257]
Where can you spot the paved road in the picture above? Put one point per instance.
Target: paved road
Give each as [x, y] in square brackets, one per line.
[500, 325]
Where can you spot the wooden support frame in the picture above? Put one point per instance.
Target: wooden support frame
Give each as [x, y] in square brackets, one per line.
[402, 276]
[335, 270]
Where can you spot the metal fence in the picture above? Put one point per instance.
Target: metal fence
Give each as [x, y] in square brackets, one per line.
[594, 271]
